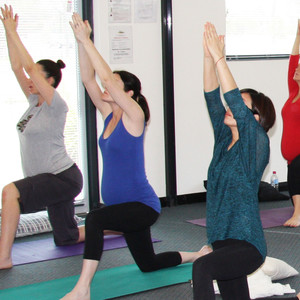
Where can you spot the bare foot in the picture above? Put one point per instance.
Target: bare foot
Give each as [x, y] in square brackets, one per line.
[77, 295]
[6, 264]
[190, 257]
[294, 221]
[205, 250]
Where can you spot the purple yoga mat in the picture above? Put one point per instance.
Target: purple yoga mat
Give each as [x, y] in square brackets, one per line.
[45, 249]
[269, 217]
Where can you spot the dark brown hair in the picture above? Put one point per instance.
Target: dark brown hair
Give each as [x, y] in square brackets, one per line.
[52, 69]
[263, 106]
[132, 83]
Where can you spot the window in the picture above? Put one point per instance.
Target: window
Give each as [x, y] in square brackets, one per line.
[45, 31]
[260, 28]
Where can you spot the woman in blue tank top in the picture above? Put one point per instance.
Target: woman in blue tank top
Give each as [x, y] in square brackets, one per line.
[131, 205]
[241, 153]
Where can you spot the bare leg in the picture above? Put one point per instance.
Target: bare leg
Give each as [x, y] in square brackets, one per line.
[82, 233]
[111, 232]
[298, 295]
[81, 230]
[294, 221]
[82, 289]
[10, 216]
[187, 257]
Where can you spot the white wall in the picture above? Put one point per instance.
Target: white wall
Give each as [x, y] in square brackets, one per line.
[194, 136]
[269, 77]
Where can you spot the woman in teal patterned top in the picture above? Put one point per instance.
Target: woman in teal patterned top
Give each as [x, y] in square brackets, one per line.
[241, 153]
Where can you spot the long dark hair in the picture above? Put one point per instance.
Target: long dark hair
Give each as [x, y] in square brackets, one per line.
[132, 83]
[263, 106]
[52, 69]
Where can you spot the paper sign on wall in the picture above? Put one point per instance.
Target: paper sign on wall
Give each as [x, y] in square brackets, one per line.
[119, 11]
[145, 11]
[120, 38]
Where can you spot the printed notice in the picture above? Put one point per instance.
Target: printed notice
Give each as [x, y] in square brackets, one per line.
[120, 44]
[145, 11]
[119, 11]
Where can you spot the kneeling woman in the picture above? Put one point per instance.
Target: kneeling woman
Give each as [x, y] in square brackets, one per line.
[131, 204]
[241, 153]
[52, 179]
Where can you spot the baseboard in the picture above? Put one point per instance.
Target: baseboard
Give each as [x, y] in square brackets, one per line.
[201, 197]
[283, 186]
[185, 199]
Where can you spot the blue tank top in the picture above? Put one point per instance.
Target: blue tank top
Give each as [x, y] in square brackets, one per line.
[124, 178]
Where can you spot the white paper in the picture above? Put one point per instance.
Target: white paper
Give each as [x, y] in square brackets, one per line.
[119, 11]
[120, 38]
[145, 11]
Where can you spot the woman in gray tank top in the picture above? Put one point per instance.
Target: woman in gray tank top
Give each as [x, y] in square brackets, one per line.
[52, 180]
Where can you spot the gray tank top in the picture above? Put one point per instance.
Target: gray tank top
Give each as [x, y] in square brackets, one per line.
[41, 134]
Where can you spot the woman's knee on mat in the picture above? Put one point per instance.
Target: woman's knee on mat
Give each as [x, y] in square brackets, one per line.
[66, 236]
[147, 266]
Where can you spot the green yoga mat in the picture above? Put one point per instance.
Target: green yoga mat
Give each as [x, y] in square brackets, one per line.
[109, 283]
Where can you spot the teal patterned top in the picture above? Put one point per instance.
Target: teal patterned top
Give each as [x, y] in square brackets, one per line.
[234, 175]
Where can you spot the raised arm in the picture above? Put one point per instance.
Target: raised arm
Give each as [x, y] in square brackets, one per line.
[42, 85]
[295, 50]
[210, 79]
[87, 73]
[108, 79]
[215, 45]
[293, 65]
[15, 61]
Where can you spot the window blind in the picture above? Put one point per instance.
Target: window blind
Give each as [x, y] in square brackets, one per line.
[45, 31]
[261, 29]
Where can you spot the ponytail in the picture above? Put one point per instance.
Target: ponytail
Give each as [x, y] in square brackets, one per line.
[141, 100]
[132, 83]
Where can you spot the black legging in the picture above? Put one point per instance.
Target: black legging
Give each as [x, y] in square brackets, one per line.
[294, 177]
[134, 220]
[229, 264]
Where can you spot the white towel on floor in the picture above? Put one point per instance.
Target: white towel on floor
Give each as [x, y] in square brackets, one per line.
[261, 285]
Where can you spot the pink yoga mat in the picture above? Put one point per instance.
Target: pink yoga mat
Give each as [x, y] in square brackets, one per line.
[45, 249]
[269, 217]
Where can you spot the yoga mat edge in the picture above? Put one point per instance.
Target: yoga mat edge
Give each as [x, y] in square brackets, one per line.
[108, 283]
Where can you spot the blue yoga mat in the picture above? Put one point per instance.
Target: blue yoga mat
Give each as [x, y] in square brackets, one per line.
[109, 283]
[45, 249]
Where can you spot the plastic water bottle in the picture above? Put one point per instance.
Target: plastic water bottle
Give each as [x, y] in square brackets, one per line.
[274, 180]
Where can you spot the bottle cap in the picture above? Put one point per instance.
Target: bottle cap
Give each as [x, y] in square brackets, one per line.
[274, 172]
